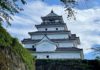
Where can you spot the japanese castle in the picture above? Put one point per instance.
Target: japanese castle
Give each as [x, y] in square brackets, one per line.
[53, 40]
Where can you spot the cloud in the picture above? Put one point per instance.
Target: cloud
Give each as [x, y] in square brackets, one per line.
[87, 25]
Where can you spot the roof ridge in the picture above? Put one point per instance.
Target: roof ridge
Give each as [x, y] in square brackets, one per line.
[51, 14]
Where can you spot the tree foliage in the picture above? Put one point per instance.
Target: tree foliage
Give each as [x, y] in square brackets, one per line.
[5, 38]
[9, 7]
[25, 55]
[69, 5]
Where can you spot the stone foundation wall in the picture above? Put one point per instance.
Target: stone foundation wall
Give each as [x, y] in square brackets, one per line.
[67, 65]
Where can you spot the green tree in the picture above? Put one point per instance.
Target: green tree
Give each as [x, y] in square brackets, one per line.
[9, 7]
[8, 44]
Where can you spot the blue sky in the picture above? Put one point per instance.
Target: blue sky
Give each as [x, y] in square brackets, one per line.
[81, 4]
[87, 25]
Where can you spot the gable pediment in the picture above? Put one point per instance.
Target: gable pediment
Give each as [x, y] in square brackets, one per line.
[45, 45]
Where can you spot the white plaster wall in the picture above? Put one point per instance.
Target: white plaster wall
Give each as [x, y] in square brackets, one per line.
[66, 44]
[45, 46]
[58, 36]
[35, 37]
[41, 29]
[28, 45]
[51, 36]
[51, 28]
[58, 55]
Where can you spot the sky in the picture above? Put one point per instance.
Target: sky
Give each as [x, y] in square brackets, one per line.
[86, 25]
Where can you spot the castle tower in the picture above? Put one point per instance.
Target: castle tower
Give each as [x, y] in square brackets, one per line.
[53, 40]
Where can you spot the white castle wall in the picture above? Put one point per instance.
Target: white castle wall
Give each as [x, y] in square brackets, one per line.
[49, 47]
[60, 55]
[52, 36]
[51, 28]
[66, 44]
[35, 37]
[45, 46]
[28, 45]
[58, 36]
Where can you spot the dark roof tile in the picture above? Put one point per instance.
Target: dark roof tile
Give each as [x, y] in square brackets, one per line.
[61, 49]
[29, 41]
[51, 25]
[68, 49]
[48, 32]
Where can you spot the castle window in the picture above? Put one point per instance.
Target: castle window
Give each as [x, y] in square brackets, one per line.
[56, 28]
[56, 20]
[51, 20]
[34, 49]
[46, 29]
[33, 46]
[35, 56]
[47, 56]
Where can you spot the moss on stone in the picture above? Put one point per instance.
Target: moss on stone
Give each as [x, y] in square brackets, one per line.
[7, 41]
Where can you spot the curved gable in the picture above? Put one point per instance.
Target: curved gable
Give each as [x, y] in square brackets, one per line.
[45, 45]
